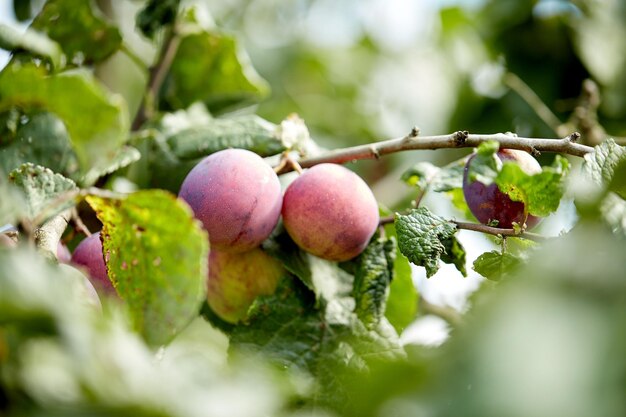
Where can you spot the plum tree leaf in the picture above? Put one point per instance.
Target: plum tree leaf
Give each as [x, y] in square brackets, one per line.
[42, 140]
[210, 67]
[41, 187]
[424, 238]
[30, 41]
[401, 306]
[122, 158]
[12, 202]
[485, 163]
[495, 265]
[288, 329]
[156, 14]
[245, 132]
[156, 255]
[425, 174]
[373, 275]
[295, 260]
[541, 193]
[454, 254]
[80, 29]
[606, 161]
[97, 122]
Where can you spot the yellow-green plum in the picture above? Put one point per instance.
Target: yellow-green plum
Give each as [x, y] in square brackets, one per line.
[488, 204]
[88, 255]
[236, 279]
[236, 196]
[330, 211]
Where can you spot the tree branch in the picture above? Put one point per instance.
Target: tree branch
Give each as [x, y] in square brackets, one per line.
[156, 77]
[47, 236]
[460, 139]
[477, 227]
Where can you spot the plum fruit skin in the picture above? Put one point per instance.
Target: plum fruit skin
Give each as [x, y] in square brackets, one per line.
[88, 254]
[236, 279]
[487, 203]
[63, 254]
[236, 196]
[331, 212]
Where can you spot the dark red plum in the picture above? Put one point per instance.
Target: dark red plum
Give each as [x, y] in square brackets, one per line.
[488, 204]
[330, 212]
[237, 197]
[88, 255]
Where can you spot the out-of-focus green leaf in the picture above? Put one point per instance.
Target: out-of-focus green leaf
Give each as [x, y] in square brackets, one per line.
[124, 156]
[485, 164]
[495, 265]
[613, 209]
[424, 238]
[425, 174]
[245, 132]
[80, 29]
[156, 14]
[156, 256]
[618, 183]
[210, 67]
[97, 121]
[373, 275]
[41, 188]
[22, 9]
[31, 41]
[541, 193]
[601, 164]
[42, 140]
[12, 202]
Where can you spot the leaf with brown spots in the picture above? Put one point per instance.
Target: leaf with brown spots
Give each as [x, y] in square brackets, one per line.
[156, 255]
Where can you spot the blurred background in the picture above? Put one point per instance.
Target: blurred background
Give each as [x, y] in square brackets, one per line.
[359, 71]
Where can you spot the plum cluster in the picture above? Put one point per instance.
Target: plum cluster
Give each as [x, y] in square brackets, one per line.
[328, 211]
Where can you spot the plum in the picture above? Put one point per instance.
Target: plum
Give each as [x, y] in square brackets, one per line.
[236, 279]
[237, 197]
[489, 205]
[330, 212]
[88, 254]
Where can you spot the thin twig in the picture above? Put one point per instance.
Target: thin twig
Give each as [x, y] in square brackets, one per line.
[531, 98]
[448, 314]
[458, 139]
[156, 77]
[496, 231]
[47, 236]
[477, 227]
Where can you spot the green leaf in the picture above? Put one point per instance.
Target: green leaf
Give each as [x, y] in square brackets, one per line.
[80, 29]
[541, 193]
[22, 10]
[31, 41]
[41, 188]
[124, 156]
[40, 138]
[374, 271]
[485, 163]
[618, 183]
[97, 121]
[613, 209]
[454, 254]
[424, 239]
[425, 174]
[602, 163]
[210, 67]
[156, 256]
[12, 202]
[287, 328]
[156, 14]
[402, 302]
[244, 132]
[495, 265]
[295, 260]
